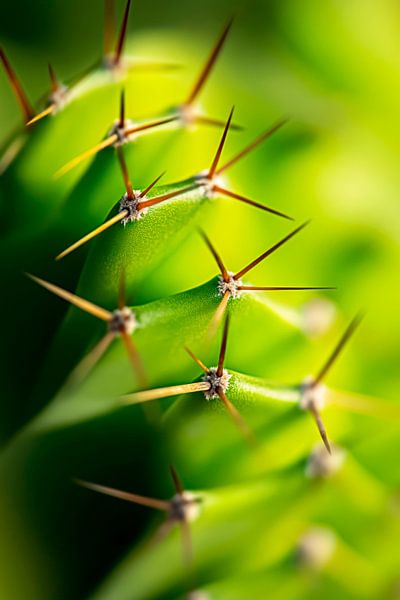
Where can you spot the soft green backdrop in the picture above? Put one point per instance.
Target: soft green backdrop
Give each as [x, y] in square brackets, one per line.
[333, 67]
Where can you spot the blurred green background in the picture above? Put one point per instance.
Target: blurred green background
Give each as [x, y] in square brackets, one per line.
[333, 68]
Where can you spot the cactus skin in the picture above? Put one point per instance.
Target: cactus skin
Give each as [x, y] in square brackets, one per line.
[264, 507]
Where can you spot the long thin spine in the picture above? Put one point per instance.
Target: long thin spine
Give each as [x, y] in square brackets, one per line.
[16, 85]
[221, 145]
[338, 349]
[250, 147]
[199, 84]
[167, 392]
[116, 219]
[268, 252]
[81, 303]
[128, 497]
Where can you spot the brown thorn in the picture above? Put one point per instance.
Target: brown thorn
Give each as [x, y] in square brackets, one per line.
[167, 392]
[321, 428]
[81, 303]
[237, 418]
[47, 111]
[168, 196]
[109, 26]
[121, 215]
[197, 360]
[338, 349]
[222, 351]
[268, 252]
[281, 288]
[122, 34]
[219, 313]
[134, 358]
[209, 65]
[261, 138]
[177, 482]
[225, 192]
[82, 370]
[122, 110]
[163, 530]
[10, 150]
[151, 185]
[215, 254]
[151, 125]
[217, 156]
[135, 498]
[125, 173]
[109, 141]
[18, 90]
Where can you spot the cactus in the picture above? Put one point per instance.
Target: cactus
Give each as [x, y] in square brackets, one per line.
[133, 388]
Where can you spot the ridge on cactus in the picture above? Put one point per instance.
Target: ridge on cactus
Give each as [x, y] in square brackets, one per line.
[311, 391]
